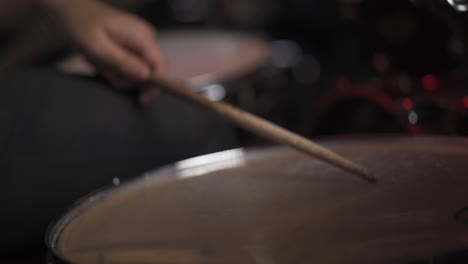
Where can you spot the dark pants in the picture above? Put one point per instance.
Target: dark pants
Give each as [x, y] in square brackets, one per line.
[62, 137]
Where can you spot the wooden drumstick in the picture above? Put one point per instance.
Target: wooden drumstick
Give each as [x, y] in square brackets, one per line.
[263, 128]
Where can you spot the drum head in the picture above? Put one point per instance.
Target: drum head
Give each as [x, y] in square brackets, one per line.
[280, 206]
[202, 57]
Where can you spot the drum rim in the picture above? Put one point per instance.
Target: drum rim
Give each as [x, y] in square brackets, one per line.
[58, 225]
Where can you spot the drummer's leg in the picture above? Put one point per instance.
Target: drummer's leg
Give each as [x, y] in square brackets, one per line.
[64, 136]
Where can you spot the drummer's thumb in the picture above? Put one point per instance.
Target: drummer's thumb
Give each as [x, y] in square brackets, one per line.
[116, 58]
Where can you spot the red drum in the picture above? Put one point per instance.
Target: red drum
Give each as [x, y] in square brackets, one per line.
[382, 107]
[277, 205]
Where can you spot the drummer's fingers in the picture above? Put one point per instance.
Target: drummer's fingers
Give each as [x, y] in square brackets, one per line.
[148, 94]
[140, 39]
[116, 81]
[110, 56]
[152, 53]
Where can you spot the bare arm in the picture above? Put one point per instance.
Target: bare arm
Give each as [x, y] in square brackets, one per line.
[121, 46]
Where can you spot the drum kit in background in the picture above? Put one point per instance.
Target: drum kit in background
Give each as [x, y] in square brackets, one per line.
[240, 68]
[266, 77]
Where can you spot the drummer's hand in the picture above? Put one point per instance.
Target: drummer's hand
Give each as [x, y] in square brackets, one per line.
[122, 46]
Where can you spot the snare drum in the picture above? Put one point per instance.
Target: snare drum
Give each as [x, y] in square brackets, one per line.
[279, 206]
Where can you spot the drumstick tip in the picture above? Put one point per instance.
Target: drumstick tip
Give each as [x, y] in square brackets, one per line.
[366, 175]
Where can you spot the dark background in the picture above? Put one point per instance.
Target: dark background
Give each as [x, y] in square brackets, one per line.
[365, 66]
